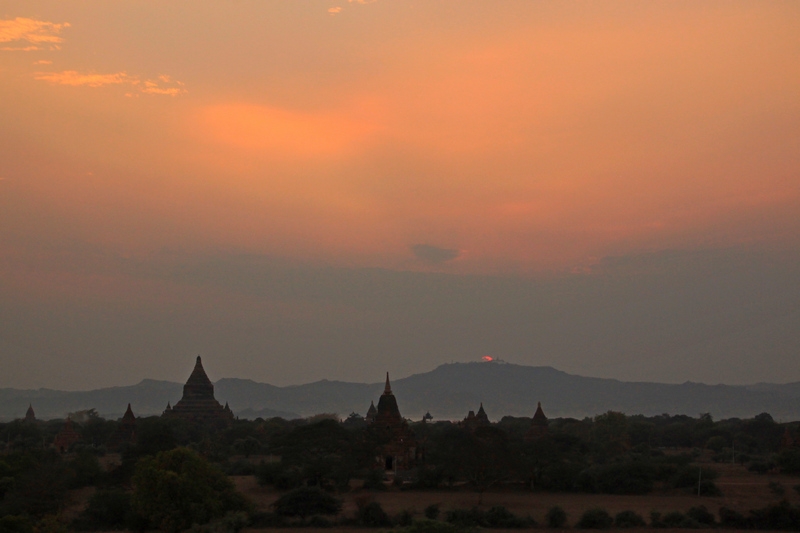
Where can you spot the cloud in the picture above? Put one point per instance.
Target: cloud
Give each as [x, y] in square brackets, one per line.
[335, 10]
[74, 78]
[31, 31]
[434, 254]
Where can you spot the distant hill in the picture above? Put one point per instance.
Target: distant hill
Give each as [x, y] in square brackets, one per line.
[448, 392]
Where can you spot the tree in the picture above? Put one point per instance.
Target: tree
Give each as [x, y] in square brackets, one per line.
[178, 488]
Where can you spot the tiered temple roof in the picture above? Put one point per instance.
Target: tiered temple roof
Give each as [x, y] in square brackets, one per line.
[474, 421]
[30, 416]
[125, 432]
[198, 403]
[538, 424]
[398, 448]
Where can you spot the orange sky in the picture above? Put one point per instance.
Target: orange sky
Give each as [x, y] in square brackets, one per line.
[526, 136]
[508, 138]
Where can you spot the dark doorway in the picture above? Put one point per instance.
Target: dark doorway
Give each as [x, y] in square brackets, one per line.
[389, 462]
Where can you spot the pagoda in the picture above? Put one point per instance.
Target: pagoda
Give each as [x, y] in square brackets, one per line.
[397, 449]
[125, 432]
[30, 416]
[198, 403]
[474, 421]
[538, 427]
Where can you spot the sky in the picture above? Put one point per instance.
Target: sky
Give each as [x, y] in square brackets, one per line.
[330, 189]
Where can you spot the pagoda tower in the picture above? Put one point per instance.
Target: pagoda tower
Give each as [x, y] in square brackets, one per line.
[538, 427]
[198, 403]
[474, 421]
[30, 416]
[125, 432]
[398, 446]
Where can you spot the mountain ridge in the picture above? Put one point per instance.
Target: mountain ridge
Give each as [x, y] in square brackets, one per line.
[448, 391]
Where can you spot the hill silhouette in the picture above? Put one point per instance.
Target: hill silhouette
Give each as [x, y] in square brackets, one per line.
[448, 392]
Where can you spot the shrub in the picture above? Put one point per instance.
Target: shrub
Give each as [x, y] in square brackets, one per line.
[732, 519]
[777, 489]
[595, 519]
[466, 518]
[432, 526]
[15, 524]
[374, 480]
[677, 519]
[307, 501]
[759, 467]
[405, 518]
[627, 519]
[687, 476]
[266, 520]
[701, 515]
[556, 517]
[432, 511]
[778, 516]
[501, 517]
[178, 488]
[373, 515]
[709, 488]
[107, 509]
[319, 521]
[655, 520]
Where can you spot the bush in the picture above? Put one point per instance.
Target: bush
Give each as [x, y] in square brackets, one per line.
[373, 515]
[732, 519]
[405, 518]
[701, 515]
[266, 520]
[760, 467]
[655, 520]
[107, 509]
[687, 476]
[277, 475]
[15, 524]
[374, 480]
[307, 501]
[178, 488]
[595, 519]
[627, 519]
[779, 516]
[677, 519]
[432, 511]
[709, 488]
[319, 521]
[633, 477]
[789, 461]
[501, 517]
[556, 517]
[432, 526]
[466, 518]
[777, 489]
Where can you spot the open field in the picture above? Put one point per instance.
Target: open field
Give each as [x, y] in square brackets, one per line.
[742, 490]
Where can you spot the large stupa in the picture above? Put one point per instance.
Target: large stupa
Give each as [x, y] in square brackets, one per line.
[198, 403]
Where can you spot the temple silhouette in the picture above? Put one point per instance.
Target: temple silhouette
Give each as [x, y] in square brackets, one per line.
[397, 448]
[198, 403]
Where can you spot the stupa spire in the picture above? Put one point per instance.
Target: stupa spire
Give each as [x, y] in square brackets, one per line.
[388, 388]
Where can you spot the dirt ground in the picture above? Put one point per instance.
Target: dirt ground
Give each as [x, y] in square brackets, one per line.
[742, 490]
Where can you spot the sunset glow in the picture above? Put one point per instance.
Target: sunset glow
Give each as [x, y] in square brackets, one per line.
[523, 139]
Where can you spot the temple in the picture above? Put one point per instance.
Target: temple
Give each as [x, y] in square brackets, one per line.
[198, 403]
[474, 421]
[397, 449]
[66, 437]
[125, 433]
[538, 427]
[30, 416]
